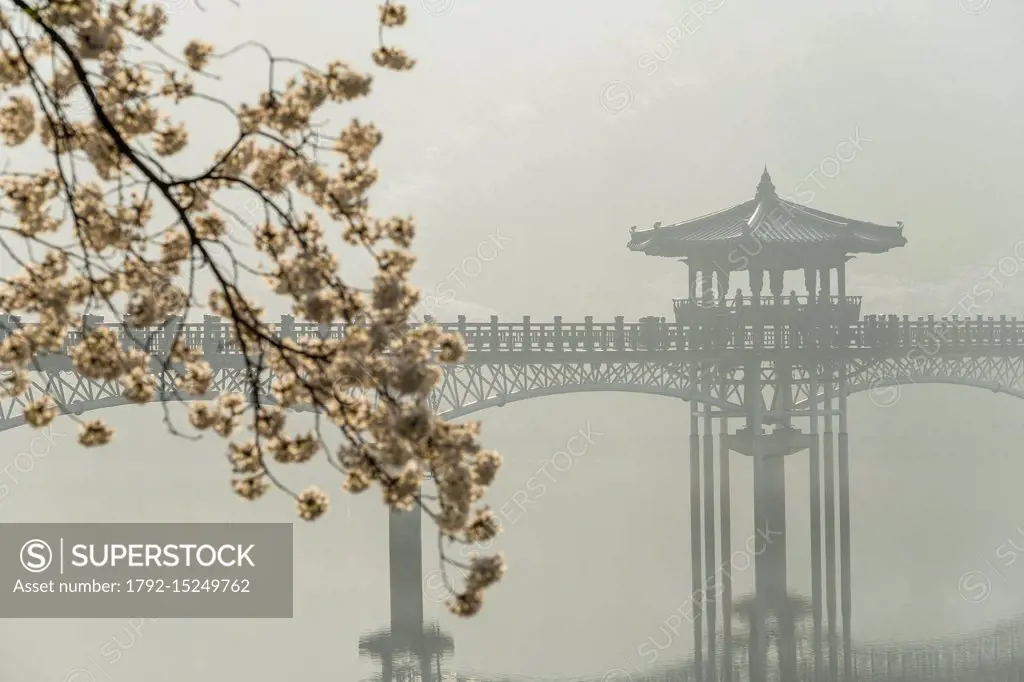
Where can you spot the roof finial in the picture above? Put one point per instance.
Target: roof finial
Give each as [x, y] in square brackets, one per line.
[765, 188]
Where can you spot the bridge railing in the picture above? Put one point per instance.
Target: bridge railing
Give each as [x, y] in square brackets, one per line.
[930, 335]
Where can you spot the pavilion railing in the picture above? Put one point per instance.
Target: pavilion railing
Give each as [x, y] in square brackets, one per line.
[765, 301]
[873, 332]
[768, 308]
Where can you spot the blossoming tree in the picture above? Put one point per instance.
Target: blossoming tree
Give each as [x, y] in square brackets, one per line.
[108, 224]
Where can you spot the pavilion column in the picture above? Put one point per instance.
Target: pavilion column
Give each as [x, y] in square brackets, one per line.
[691, 275]
[776, 279]
[826, 299]
[810, 275]
[696, 577]
[756, 284]
[709, 284]
[723, 284]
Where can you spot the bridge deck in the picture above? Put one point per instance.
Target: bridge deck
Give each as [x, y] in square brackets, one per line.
[875, 335]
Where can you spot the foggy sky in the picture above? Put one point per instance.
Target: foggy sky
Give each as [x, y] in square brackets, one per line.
[504, 127]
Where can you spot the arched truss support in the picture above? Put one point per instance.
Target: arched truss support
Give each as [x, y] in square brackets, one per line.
[464, 389]
[886, 377]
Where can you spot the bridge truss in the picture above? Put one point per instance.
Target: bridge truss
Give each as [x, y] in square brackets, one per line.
[510, 362]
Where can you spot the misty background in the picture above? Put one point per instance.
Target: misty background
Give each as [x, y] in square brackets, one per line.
[513, 123]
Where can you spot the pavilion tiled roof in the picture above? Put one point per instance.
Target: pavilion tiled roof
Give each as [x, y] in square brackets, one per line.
[771, 220]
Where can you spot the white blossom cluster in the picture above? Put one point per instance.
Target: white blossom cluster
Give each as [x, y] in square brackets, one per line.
[107, 183]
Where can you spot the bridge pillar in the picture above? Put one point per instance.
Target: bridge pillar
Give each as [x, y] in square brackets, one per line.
[830, 528]
[814, 467]
[407, 636]
[846, 590]
[757, 654]
[696, 569]
[725, 502]
[709, 585]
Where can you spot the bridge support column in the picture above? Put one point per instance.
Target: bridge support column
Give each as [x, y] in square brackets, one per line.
[830, 529]
[814, 466]
[725, 500]
[846, 589]
[758, 653]
[407, 637]
[696, 570]
[406, 560]
[709, 587]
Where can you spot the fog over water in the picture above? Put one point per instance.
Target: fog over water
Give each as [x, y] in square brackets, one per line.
[509, 125]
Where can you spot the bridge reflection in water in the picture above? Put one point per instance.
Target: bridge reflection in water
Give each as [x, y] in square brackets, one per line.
[993, 655]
